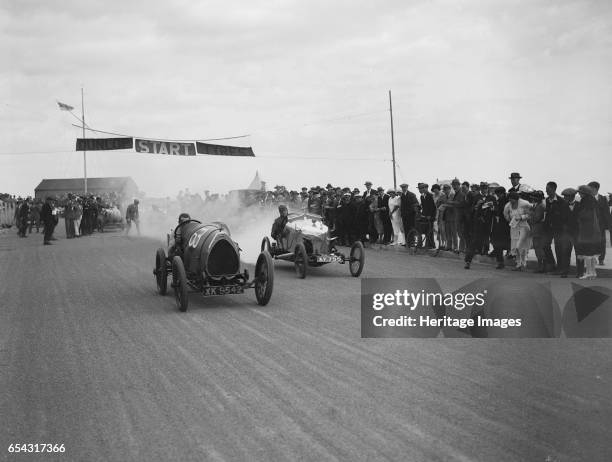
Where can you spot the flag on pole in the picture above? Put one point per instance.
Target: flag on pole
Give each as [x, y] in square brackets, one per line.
[64, 107]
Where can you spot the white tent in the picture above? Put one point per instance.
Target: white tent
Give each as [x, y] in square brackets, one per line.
[257, 183]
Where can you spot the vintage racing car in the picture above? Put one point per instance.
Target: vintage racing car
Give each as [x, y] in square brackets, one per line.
[307, 243]
[208, 261]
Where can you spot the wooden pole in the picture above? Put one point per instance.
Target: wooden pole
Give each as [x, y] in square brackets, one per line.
[84, 144]
[392, 142]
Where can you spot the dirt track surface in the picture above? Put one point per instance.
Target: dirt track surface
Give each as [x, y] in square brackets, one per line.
[92, 357]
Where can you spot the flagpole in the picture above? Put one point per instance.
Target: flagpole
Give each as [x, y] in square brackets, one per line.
[84, 144]
[392, 142]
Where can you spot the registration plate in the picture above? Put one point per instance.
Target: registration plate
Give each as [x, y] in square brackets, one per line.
[328, 259]
[222, 290]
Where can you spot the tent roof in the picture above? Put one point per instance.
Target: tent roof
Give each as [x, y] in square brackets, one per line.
[256, 183]
[76, 184]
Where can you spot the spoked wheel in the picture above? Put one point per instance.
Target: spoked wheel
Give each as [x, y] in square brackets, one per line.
[179, 282]
[161, 272]
[412, 240]
[265, 245]
[264, 278]
[356, 259]
[301, 260]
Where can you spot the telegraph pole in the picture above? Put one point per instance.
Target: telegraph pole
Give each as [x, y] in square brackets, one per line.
[392, 142]
[84, 143]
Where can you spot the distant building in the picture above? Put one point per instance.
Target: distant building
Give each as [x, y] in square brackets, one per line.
[124, 186]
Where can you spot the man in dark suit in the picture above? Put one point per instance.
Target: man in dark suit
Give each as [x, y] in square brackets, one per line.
[603, 215]
[368, 191]
[23, 213]
[384, 215]
[408, 207]
[49, 220]
[557, 221]
[428, 211]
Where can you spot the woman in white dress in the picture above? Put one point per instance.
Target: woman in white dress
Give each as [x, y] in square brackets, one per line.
[517, 212]
[396, 219]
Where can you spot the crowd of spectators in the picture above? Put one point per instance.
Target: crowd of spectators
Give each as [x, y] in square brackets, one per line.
[82, 213]
[468, 219]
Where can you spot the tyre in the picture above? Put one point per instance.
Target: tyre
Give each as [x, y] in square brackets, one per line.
[264, 278]
[265, 245]
[179, 282]
[301, 260]
[161, 272]
[356, 259]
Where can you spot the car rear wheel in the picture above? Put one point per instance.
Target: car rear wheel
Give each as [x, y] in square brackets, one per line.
[265, 244]
[179, 282]
[161, 272]
[264, 278]
[301, 260]
[356, 259]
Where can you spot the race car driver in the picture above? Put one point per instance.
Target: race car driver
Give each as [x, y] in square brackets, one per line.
[176, 248]
[278, 227]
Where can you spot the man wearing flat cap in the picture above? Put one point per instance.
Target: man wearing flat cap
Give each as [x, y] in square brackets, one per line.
[49, 220]
[409, 206]
[428, 211]
[368, 191]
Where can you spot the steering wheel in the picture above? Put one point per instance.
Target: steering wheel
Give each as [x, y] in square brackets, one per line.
[183, 223]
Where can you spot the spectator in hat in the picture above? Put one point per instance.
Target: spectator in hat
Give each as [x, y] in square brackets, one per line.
[384, 216]
[588, 243]
[569, 195]
[408, 208]
[557, 219]
[23, 212]
[515, 180]
[481, 225]
[517, 212]
[436, 193]
[368, 190]
[441, 204]
[603, 215]
[376, 228]
[541, 234]
[428, 211]
[458, 226]
[344, 219]
[500, 231]
[49, 218]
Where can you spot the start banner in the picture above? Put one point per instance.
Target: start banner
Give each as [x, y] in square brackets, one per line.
[103, 144]
[220, 150]
[170, 148]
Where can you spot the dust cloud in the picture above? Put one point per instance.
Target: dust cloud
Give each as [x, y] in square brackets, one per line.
[247, 224]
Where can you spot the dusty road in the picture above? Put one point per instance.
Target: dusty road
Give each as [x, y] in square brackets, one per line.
[92, 357]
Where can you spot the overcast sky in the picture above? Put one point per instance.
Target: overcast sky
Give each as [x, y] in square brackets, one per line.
[480, 89]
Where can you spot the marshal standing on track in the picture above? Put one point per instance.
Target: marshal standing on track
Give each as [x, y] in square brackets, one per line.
[131, 215]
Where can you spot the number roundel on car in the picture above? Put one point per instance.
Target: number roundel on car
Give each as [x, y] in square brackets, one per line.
[195, 237]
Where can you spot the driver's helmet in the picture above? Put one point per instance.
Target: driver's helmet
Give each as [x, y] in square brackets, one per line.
[183, 217]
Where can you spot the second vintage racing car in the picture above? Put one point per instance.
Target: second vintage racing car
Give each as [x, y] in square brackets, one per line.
[307, 242]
